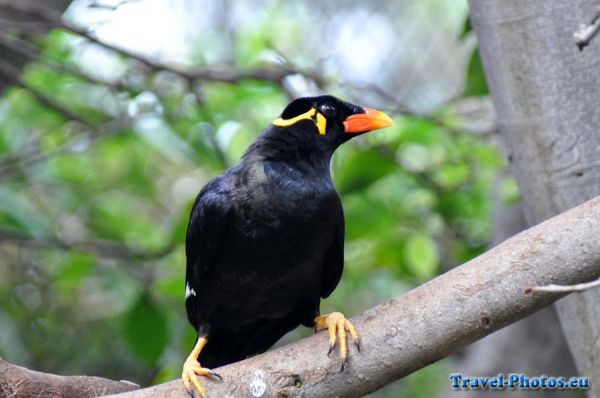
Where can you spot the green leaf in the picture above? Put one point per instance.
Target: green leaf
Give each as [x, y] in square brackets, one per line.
[476, 84]
[172, 287]
[467, 28]
[421, 255]
[452, 175]
[18, 208]
[510, 191]
[146, 330]
[77, 266]
[355, 170]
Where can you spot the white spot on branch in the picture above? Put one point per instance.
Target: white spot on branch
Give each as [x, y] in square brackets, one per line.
[258, 385]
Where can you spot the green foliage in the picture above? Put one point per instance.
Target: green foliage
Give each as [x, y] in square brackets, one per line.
[476, 83]
[145, 330]
[421, 256]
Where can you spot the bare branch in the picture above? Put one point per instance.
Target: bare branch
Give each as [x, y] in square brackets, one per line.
[194, 87]
[108, 7]
[104, 248]
[401, 109]
[16, 382]
[586, 32]
[28, 50]
[13, 163]
[428, 323]
[10, 72]
[226, 75]
[564, 289]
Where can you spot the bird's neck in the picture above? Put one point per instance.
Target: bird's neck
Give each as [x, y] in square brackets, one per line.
[299, 152]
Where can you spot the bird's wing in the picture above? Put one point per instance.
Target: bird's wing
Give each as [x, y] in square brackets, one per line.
[210, 219]
[333, 261]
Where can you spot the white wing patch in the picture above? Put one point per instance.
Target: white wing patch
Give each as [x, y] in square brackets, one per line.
[189, 291]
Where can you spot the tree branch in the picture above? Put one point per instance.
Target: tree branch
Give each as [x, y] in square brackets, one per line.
[16, 381]
[14, 162]
[104, 248]
[586, 32]
[225, 75]
[428, 323]
[31, 52]
[13, 74]
[411, 331]
[579, 287]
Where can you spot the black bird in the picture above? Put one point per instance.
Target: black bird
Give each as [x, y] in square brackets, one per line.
[265, 241]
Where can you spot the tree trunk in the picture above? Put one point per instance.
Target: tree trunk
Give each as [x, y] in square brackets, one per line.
[547, 96]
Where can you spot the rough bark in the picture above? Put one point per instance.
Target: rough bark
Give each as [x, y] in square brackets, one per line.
[546, 94]
[426, 324]
[534, 345]
[16, 381]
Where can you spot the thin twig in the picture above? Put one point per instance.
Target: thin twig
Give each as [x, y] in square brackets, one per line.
[28, 26]
[13, 75]
[225, 75]
[586, 32]
[401, 109]
[564, 288]
[12, 163]
[104, 248]
[194, 89]
[31, 52]
[96, 4]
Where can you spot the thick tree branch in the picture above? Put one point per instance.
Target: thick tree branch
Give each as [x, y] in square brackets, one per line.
[426, 324]
[402, 334]
[16, 381]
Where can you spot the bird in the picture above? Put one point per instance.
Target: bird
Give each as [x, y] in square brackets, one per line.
[265, 239]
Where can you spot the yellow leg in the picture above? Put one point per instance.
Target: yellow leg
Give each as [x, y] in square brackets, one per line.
[191, 368]
[337, 325]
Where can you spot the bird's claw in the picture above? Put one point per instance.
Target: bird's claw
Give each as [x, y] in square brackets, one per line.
[191, 369]
[337, 326]
[330, 348]
[215, 375]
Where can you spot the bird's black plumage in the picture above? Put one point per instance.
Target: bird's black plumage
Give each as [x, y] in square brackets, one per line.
[265, 238]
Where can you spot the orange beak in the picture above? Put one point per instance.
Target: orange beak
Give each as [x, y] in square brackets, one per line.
[368, 121]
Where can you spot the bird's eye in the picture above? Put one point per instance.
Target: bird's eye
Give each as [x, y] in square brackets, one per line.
[327, 110]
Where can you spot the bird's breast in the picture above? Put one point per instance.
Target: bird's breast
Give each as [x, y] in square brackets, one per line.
[282, 196]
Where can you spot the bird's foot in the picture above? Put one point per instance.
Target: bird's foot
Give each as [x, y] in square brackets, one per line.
[191, 369]
[337, 325]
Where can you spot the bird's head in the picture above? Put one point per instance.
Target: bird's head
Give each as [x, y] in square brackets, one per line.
[328, 120]
[310, 129]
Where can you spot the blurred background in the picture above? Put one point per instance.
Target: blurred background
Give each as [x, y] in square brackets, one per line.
[113, 115]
